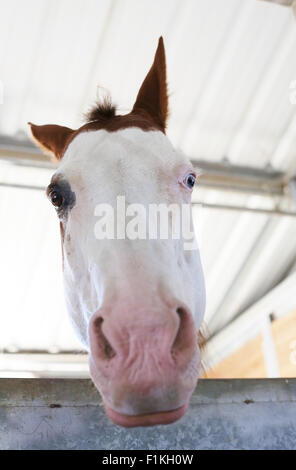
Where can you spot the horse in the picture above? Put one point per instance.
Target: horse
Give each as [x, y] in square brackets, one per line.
[135, 304]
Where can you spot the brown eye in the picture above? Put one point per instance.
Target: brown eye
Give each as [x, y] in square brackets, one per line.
[56, 198]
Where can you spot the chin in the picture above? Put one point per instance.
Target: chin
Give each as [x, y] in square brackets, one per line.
[148, 419]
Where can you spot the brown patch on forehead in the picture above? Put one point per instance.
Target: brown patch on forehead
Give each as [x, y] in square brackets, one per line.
[142, 120]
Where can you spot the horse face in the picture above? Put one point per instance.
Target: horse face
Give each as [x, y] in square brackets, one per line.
[136, 302]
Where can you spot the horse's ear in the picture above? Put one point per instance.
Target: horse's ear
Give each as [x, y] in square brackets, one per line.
[52, 138]
[153, 95]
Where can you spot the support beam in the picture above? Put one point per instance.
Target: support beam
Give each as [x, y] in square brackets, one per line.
[23, 152]
[253, 210]
[284, 3]
[219, 175]
[268, 349]
[292, 185]
[228, 177]
[229, 207]
[42, 364]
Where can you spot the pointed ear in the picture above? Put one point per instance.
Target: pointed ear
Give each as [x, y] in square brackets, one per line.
[52, 138]
[153, 96]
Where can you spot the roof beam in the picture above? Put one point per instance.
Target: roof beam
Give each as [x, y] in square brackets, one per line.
[218, 175]
[21, 151]
[228, 177]
[284, 3]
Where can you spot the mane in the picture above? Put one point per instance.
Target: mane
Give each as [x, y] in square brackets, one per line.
[102, 110]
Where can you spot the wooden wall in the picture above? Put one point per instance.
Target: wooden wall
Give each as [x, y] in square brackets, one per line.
[248, 361]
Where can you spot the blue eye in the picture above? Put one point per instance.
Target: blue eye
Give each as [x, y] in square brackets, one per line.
[189, 181]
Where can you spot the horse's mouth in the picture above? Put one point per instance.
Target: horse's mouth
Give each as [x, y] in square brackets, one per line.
[151, 419]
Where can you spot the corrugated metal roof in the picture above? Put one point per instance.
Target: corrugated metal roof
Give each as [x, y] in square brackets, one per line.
[230, 66]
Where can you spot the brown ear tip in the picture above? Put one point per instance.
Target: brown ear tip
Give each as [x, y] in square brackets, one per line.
[160, 53]
[160, 42]
[33, 129]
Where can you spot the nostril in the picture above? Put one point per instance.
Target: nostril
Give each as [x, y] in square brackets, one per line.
[184, 334]
[180, 311]
[105, 349]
